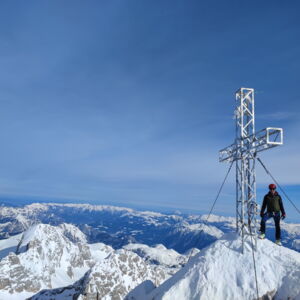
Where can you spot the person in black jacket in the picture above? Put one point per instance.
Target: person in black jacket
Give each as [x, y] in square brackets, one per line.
[273, 203]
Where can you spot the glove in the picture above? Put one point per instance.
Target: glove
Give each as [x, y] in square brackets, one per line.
[283, 217]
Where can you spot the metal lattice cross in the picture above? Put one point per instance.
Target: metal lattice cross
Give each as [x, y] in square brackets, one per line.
[243, 152]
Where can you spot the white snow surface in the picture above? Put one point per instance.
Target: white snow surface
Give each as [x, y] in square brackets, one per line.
[218, 219]
[208, 229]
[221, 271]
[159, 254]
[9, 245]
[168, 260]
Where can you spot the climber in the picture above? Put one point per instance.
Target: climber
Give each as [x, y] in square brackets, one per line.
[274, 205]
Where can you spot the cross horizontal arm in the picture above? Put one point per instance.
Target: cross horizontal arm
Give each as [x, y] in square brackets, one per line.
[265, 139]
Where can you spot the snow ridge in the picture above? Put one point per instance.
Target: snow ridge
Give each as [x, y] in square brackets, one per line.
[221, 271]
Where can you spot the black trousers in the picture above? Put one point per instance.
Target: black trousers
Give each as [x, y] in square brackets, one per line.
[265, 218]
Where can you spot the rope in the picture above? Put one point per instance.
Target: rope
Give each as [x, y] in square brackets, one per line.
[218, 194]
[252, 243]
[254, 262]
[268, 172]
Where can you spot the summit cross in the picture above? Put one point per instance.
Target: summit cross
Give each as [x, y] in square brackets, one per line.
[243, 152]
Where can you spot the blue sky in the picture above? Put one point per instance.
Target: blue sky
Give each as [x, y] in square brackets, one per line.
[129, 102]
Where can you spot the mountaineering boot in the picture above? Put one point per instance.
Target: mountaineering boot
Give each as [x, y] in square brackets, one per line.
[278, 242]
[262, 236]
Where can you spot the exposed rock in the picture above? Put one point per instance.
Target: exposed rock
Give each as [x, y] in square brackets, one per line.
[112, 278]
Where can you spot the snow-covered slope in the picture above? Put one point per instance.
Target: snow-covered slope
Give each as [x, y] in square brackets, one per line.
[170, 260]
[10, 245]
[115, 226]
[158, 255]
[221, 271]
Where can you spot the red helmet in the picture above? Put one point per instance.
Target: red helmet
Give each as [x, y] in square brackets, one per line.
[272, 186]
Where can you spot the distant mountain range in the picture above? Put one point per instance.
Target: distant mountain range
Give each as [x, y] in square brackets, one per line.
[114, 226]
[119, 226]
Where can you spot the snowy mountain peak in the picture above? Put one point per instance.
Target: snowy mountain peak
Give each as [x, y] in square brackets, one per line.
[44, 258]
[44, 235]
[73, 233]
[221, 271]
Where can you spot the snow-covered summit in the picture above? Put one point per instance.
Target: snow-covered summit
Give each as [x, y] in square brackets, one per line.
[73, 233]
[39, 234]
[221, 271]
[42, 257]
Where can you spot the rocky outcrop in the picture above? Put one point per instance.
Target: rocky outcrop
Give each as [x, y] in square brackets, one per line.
[112, 278]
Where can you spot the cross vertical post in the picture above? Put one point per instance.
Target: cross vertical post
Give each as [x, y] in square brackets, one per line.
[245, 164]
[243, 152]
